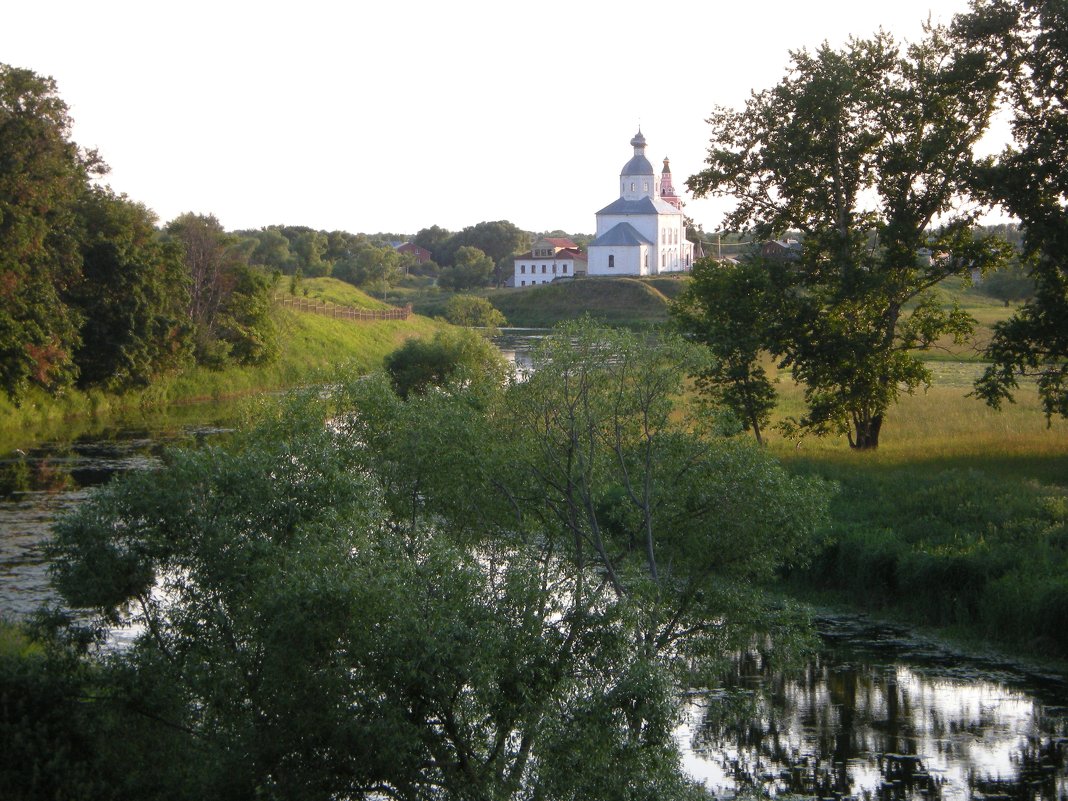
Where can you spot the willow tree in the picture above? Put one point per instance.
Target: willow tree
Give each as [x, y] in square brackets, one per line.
[486, 591]
[865, 151]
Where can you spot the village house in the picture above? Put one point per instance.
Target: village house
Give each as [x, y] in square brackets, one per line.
[421, 254]
[549, 258]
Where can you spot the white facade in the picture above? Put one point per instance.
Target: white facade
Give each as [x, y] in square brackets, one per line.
[641, 233]
[547, 260]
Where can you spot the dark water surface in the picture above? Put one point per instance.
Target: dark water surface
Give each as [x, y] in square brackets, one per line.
[879, 714]
[41, 483]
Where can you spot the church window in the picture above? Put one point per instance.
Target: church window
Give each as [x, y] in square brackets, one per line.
[611, 261]
[663, 259]
[632, 186]
[645, 186]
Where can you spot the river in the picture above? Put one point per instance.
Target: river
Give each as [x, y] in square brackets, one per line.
[878, 714]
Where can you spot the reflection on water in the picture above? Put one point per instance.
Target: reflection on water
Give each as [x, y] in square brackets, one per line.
[39, 485]
[859, 723]
[515, 344]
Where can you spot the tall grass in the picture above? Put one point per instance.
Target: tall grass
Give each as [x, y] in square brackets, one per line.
[945, 428]
[958, 520]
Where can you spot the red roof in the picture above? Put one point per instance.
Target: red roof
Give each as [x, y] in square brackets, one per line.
[561, 243]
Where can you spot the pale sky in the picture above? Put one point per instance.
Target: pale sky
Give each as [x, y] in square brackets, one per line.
[400, 115]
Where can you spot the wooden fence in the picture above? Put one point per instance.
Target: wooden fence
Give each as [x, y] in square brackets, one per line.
[342, 312]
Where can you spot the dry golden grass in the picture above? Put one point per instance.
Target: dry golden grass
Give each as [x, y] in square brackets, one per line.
[943, 428]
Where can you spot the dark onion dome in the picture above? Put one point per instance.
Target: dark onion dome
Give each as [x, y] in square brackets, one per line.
[639, 165]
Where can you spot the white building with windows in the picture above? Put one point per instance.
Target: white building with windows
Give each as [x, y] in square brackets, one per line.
[547, 260]
[643, 232]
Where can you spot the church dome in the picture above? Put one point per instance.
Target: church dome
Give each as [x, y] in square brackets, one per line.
[639, 164]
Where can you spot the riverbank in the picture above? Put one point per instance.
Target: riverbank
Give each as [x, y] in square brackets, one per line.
[959, 522]
[312, 349]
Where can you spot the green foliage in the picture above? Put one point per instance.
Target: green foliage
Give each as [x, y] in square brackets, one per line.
[1010, 284]
[229, 301]
[861, 150]
[368, 265]
[955, 548]
[491, 592]
[1027, 37]
[133, 295]
[451, 357]
[497, 240]
[473, 311]
[42, 176]
[471, 268]
[721, 308]
[246, 323]
[435, 239]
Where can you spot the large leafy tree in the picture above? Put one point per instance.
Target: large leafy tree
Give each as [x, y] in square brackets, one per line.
[487, 592]
[42, 176]
[133, 295]
[449, 357]
[470, 268]
[865, 151]
[1029, 38]
[499, 239]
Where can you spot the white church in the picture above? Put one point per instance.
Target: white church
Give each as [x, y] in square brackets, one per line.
[643, 232]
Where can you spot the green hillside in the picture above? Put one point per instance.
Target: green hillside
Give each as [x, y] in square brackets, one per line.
[340, 293]
[616, 301]
[312, 349]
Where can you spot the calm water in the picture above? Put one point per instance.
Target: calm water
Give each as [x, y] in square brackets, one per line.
[878, 715]
[882, 715]
[43, 482]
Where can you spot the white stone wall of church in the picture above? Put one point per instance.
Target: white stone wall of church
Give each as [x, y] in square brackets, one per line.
[627, 260]
[635, 187]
